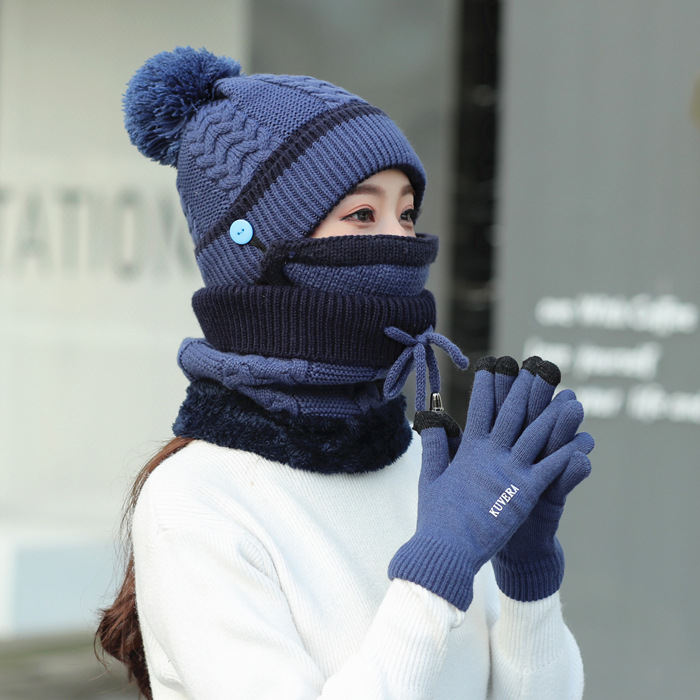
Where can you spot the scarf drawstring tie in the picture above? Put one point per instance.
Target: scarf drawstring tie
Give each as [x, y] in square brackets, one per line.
[419, 352]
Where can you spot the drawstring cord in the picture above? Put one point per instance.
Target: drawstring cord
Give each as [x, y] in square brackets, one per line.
[418, 351]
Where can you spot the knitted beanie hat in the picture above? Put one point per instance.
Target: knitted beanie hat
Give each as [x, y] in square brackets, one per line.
[260, 158]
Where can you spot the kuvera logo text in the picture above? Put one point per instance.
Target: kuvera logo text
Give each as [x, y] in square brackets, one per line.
[503, 499]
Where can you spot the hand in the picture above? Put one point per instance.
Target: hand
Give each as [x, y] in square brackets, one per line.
[470, 506]
[530, 566]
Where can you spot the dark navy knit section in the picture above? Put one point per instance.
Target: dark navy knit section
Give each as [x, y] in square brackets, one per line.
[224, 417]
[310, 324]
[347, 251]
[282, 158]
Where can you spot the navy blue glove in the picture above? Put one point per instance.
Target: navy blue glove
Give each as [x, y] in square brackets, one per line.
[470, 506]
[530, 566]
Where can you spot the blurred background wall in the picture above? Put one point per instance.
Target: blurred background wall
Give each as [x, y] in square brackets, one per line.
[96, 275]
[596, 268]
[564, 174]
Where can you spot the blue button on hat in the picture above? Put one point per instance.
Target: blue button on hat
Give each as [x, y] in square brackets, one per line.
[241, 231]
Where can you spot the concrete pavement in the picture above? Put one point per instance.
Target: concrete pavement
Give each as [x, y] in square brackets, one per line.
[58, 668]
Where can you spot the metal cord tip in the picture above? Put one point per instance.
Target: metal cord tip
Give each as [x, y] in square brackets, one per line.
[436, 402]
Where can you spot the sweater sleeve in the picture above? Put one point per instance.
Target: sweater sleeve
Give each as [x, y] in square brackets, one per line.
[217, 625]
[534, 656]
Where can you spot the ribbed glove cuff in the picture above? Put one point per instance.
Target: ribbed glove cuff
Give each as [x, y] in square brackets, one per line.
[526, 580]
[437, 566]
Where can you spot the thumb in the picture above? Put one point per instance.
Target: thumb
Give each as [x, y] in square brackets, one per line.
[578, 468]
[553, 466]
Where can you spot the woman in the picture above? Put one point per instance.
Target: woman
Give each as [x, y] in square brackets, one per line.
[262, 541]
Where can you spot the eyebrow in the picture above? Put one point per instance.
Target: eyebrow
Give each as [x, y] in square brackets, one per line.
[376, 190]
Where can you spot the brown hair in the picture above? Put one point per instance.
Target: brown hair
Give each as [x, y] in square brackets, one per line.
[118, 633]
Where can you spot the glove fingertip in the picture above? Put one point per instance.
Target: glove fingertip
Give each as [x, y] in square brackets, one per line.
[577, 469]
[487, 363]
[532, 364]
[580, 466]
[435, 419]
[565, 395]
[574, 410]
[549, 372]
[508, 366]
[582, 460]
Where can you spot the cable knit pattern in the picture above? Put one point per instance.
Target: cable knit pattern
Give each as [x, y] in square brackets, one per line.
[329, 94]
[200, 360]
[297, 387]
[280, 160]
[228, 145]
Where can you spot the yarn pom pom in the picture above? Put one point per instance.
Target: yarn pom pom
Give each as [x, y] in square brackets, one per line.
[165, 93]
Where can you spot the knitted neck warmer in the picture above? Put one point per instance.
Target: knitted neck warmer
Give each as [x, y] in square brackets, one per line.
[311, 339]
[308, 347]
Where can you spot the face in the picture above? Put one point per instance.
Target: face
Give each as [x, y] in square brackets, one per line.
[381, 204]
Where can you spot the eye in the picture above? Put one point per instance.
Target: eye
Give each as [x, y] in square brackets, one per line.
[409, 215]
[363, 216]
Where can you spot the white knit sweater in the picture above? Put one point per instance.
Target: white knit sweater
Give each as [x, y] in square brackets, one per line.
[258, 581]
